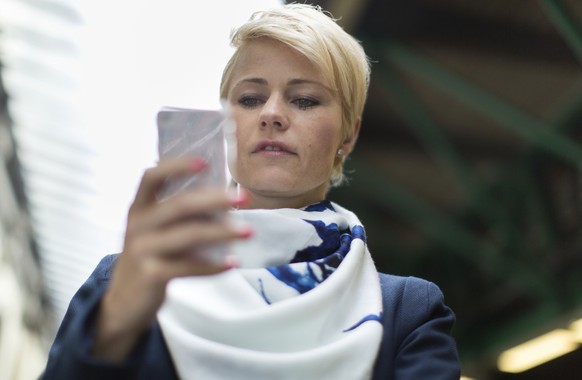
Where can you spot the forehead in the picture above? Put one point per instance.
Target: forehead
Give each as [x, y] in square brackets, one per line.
[269, 58]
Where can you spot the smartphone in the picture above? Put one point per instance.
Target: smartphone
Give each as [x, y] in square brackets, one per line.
[193, 133]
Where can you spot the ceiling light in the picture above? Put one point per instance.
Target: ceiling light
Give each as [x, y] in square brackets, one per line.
[576, 329]
[537, 351]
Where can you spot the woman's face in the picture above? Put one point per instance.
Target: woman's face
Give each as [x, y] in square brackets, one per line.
[288, 126]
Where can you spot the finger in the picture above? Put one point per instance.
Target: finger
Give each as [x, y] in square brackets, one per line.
[189, 265]
[201, 203]
[154, 178]
[186, 237]
[160, 273]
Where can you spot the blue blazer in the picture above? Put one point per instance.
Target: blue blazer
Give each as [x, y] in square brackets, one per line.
[416, 342]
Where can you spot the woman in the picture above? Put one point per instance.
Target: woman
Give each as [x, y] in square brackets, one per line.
[314, 307]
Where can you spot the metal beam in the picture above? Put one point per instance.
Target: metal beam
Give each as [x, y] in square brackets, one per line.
[514, 119]
[448, 232]
[568, 117]
[566, 24]
[433, 138]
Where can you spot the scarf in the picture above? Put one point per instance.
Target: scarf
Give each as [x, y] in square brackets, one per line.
[305, 304]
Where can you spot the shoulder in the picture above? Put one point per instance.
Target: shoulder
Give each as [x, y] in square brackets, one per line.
[411, 301]
[400, 281]
[105, 266]
[417, 323]
[74, 335]
[98, 279]
[407, 291]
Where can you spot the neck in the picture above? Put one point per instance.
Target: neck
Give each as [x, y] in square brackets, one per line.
[262, 201]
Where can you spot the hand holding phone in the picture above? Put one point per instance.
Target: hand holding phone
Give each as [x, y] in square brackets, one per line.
[195, 133]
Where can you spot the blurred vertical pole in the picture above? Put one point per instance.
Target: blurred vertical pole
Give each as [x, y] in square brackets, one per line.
[22, 319]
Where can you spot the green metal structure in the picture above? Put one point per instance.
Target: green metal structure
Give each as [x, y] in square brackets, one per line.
[508, 255]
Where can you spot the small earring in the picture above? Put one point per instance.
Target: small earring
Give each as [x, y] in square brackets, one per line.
[340, 152]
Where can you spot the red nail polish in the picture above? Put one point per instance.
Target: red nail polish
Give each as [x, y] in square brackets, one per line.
[238, 198]
[231, 262]
[246, 233]
[198, 163]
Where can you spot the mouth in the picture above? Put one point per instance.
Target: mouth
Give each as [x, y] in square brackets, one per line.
[273, 148]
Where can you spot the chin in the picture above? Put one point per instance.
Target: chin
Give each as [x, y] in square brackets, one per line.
[269, 180]
[280, 183]
[273, 186]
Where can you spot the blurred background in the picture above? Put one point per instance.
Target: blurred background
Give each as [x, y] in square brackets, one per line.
[467, 171]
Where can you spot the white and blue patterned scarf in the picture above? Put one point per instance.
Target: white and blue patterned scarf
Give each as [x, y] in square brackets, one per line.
[305, 304]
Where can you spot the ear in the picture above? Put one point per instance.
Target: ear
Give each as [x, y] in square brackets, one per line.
[349, 143]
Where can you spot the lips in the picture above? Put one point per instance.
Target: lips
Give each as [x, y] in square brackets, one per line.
[274, 147]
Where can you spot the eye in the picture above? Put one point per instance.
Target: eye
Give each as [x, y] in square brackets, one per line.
[305, 103]
[249, 101]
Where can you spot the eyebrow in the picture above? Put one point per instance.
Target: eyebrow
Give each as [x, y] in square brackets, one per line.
[291, 82]
[260, 81]
[296, 82]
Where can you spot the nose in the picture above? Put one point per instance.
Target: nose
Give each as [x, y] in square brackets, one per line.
[273, 114]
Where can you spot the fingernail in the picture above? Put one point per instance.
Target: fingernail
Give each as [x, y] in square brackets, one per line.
[198, 163]
[238, 198]
[241, 228]
[231, 261]
[246, 233]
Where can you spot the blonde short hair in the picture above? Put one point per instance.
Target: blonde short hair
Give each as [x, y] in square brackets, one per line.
[314, 34]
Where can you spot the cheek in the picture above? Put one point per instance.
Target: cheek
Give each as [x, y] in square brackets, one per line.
[236, 142]
[328, 138]
[240, 129]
